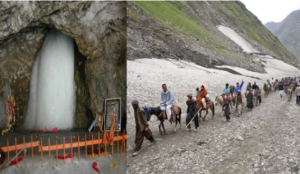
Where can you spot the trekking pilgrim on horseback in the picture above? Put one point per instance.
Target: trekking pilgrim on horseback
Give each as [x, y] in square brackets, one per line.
[167, 99]
[204, 103]
[201, 98]
[227, 90]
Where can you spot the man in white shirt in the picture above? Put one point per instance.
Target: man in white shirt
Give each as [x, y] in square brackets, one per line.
[167, 98]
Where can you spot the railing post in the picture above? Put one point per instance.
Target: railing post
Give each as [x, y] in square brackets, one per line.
[98, 143]
[42, 151]
[32, 151]
[64, 152]
[8, 151]
[78, 149]
[56, 153]
[49, 151]
[120, 159]
[72, 149]
[93, 155]
[118, 143]
[16, 152]
[124, 147]
[24, 152]
[85, 146]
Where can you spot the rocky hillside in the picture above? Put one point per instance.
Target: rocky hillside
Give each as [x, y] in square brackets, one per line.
[99, 31]
[288, 32]
[188, 30]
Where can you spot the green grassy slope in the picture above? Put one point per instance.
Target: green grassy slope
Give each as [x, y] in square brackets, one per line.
[172, 15]
[253, 28]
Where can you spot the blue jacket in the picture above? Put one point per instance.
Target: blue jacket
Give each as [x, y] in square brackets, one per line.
[167, 98]
[238, 88]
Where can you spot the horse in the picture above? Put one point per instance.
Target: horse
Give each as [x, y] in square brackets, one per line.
[220, 99]
[162, 116]
[290, 93]
[209, 105]
[293, 87]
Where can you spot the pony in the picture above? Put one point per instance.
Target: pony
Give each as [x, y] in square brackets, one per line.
[293, 86]
[219, 100]
[290, 93]
[162, 116]
[209, 105]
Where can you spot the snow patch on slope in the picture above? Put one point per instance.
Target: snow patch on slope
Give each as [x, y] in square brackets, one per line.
[237, 39]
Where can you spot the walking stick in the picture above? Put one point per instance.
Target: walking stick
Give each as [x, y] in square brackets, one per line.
[12, 159]
[192, 118]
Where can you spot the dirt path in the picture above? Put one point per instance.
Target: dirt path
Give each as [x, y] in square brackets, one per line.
[264, 140]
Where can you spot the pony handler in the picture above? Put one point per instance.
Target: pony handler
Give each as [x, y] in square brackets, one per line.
[141, 127]
[191, 110]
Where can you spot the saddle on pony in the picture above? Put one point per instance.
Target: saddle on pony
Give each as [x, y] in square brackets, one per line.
[174, 111]
[208, 103]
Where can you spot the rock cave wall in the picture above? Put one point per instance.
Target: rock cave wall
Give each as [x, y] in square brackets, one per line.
[99, 30]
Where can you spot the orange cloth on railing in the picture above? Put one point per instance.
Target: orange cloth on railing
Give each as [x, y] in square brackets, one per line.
[107, 139]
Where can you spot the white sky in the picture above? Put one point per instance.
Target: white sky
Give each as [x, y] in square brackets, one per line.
[271, 10]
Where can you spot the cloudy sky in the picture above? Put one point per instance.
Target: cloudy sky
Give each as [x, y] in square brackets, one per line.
[271, 10]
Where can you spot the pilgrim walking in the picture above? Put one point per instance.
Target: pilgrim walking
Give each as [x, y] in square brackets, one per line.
[192, 108]
[142, 128]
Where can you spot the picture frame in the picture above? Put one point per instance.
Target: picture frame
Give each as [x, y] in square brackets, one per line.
[110, 105]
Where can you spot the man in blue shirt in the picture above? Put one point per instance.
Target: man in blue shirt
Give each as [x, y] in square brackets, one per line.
[167, 98]
[238, 87]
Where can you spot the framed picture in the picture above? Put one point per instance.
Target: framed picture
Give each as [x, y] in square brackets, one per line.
[111, 105]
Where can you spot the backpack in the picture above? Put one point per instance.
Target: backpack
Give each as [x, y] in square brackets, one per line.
[147, 112]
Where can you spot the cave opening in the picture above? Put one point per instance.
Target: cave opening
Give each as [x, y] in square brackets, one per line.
[58, 95]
